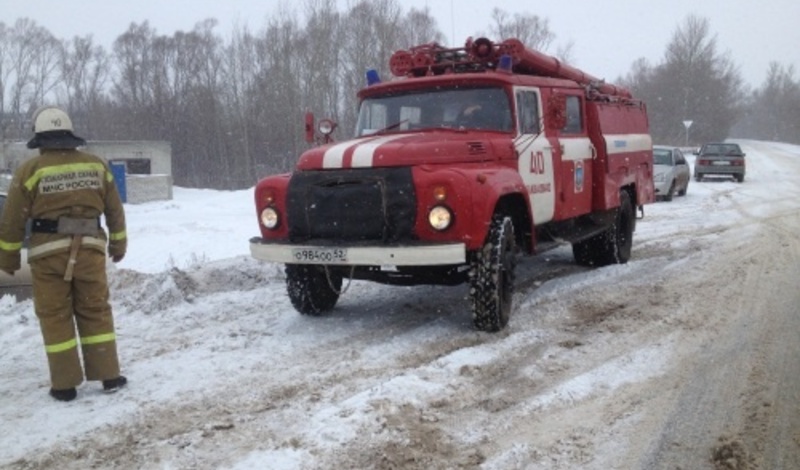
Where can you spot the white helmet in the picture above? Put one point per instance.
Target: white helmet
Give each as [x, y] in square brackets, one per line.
[52, 129]
[50, 118]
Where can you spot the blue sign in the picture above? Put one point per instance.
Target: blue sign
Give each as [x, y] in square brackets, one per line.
[118, 170]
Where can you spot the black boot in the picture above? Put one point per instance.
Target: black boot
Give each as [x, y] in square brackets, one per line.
[113, 385]
[67, 394]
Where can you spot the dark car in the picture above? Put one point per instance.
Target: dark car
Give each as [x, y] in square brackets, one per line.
[720, 159]
[671, 172]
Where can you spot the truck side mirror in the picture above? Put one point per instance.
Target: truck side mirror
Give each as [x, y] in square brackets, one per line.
[556, 111]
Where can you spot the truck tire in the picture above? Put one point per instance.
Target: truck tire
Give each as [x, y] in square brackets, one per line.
[309, 288]
[624, 227]
[612, 246]
[491, 287]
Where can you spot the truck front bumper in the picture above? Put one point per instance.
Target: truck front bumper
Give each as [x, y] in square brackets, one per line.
[348, 255]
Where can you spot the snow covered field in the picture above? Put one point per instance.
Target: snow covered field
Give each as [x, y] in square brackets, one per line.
[686, 357]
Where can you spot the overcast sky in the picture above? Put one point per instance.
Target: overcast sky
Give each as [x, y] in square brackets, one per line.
[607, 37]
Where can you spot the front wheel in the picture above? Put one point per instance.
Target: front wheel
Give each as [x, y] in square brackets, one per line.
[312, 289]
[671, 192]
[492, 277]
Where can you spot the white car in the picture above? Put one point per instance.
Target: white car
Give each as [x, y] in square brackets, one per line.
[671, 172]
[21, 283]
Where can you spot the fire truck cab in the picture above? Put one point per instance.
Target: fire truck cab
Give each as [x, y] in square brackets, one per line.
[468, 158]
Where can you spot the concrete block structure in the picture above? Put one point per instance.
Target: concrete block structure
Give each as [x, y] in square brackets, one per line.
[148, 165]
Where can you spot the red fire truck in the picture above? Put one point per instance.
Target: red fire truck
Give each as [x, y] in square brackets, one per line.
[468, 158]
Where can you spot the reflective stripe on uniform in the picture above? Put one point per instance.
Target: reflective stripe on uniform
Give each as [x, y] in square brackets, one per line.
[116, 236]
[61, 347]
[72, 343]
[10, 246]
[64, 243]
[63, 169]
[97, 339]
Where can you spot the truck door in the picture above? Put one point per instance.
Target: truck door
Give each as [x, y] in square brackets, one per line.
[574, 175]
[536, 159]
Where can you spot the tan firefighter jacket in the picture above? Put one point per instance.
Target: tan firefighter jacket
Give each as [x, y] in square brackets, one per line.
[60, 183]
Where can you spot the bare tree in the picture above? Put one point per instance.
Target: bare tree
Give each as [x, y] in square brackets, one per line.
[531, 29]
[5, 76]
[84, 72]
[321, 50]
[28, 62]
[281, 112]
[694, 82]
[773, 112]
[240, 69]
[639, 75]
[44, 64]
[169, 88]
[372, 34]
[419, 27]
[132, 53]
[564, 52]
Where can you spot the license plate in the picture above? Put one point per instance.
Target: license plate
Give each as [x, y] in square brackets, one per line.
[320, 255]
[721, 163]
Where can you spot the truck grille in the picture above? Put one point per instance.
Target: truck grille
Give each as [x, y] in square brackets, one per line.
[375, 204]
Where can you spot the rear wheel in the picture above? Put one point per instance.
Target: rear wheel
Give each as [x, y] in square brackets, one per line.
[612, 246]
[739, 177]
[698, 177]
[311, 290]
[492, 277]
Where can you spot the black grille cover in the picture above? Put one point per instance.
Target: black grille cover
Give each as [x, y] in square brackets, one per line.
[371, 204]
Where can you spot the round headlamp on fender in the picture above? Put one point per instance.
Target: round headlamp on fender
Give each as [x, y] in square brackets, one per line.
[440, 218]
[270, 218]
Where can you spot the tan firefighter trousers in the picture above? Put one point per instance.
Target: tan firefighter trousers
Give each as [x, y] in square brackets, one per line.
[83, 302]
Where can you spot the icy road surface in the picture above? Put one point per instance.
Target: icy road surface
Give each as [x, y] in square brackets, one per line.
[688, 357]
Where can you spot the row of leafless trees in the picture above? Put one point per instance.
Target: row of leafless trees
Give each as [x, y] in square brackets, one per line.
[233, 108]
[697, 82]
[773, 111]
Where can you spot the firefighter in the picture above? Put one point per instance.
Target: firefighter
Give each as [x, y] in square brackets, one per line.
[62, 193]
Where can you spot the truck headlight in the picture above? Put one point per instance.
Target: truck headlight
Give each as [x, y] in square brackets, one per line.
[440, 218]
[270, 218]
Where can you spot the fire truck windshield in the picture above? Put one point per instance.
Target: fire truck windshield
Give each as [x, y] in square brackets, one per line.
[453, 108]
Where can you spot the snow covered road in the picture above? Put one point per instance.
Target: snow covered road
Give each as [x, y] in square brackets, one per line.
[687, 357]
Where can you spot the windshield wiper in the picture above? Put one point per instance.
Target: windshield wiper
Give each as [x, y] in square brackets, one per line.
[390, 127]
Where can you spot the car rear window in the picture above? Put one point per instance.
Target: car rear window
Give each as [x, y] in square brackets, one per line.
[722, 149]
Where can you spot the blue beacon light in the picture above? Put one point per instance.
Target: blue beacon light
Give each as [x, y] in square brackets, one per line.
[505, 64]
[372, 77]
